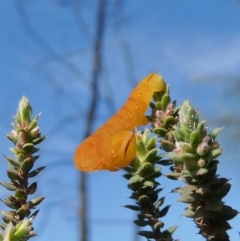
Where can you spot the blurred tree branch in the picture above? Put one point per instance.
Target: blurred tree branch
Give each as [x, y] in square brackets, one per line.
[96, 72]
[38, 39]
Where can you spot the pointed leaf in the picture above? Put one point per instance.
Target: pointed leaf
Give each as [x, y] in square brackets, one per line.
[36, 201]
[202, 171]
[147, 234]
[8, 186]
[223, 191]
[12, 161]
[164, 211]
[141, 223]
[133, 207]
[228, 213]
[165, 162]
[170, 231]
[36, 172]
[135, 179]
[189, 213]
[173, 175]
[159, 202]
[189, 197]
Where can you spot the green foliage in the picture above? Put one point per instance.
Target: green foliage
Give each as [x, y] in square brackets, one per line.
[25, 135]
[193, 153]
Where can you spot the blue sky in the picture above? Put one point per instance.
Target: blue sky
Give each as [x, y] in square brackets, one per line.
[194, 45]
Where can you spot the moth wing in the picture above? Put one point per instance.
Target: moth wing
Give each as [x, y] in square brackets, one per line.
[125, 120]
[155, 82]
[123, 149]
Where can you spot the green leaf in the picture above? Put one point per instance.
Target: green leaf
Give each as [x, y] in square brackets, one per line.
[159, 202]
[195, 138]
[8, 232]
[133, 207]
[22, 230]
[33, 215]
[23, 211]
[212, 164]
[215, 153]
[188, 179]
[158, 225]
[38, 140]
[164, 211]
[175, 158]
[144, 215]
[146, 170]
[189, 197]
[25, 110]
[189, 159]
[8, 215]
[35, 172]
[215, 133]
[218, 183]
[141, 223]
[173, 175]
[158, 105]
[26, 165]
[150, 155]
[12, 162]
[127, 176]
[169, 122]
[185, 190]
[13, 175]
[170, 231]
[202, 213]
[213, 204]
[8, 186]
[166, 162]
[227, 213]
[189, 213]
[166, 100]
[20, 195]
[154, 195]
[160, 131]
[188, 116]
[202, 171]
[36, 201]
[157, 96]
[135, 179]
[223, 191]
[147, 234]
[150, 184]
[167, 146]
[128, 169]
[9, 203]
[151, 143]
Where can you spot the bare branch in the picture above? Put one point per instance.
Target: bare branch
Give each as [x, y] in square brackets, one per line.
[37, 38]
[97, 66]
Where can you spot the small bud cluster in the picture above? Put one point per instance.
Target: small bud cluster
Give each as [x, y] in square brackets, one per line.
[25, 135]
[164, 114]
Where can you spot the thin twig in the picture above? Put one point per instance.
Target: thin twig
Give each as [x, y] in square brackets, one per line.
[97, 66]
[38, 39]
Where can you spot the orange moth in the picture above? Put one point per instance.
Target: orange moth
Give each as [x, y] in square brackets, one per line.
[113, 145]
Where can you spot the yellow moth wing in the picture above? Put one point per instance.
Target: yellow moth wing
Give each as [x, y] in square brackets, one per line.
[123, 148]
[113, 146]
[155, 82]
